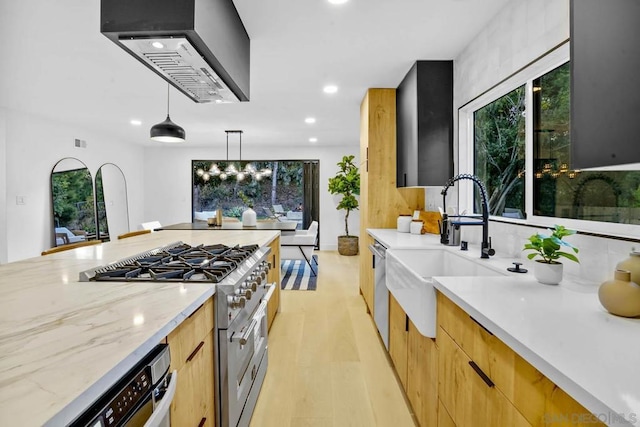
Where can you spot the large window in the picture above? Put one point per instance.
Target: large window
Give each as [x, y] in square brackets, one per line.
[288, 192]
[498, 130]
[558, 191]
[519, 144]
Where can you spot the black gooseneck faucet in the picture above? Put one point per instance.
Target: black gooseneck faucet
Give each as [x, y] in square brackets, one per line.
[485, 248]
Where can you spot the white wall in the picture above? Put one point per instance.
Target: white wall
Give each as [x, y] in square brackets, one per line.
[3, 187]
[167, 182]
[520, 33]
[33, 146]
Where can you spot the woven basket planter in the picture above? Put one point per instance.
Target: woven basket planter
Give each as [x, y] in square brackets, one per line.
[348, 245]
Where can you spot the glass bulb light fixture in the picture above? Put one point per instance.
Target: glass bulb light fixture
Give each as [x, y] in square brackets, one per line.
[233, 170]
[167, 131]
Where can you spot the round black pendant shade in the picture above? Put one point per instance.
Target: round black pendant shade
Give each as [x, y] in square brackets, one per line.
[167, 131]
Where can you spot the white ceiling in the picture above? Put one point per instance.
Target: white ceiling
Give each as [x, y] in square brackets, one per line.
[56, 63]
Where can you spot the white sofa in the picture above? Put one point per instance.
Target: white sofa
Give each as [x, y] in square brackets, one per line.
[300, 245]
[204, 215]
[65, 236]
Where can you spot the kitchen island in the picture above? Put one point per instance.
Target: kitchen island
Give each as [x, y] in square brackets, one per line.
[64, 342]
[562, 331]
[285, 227]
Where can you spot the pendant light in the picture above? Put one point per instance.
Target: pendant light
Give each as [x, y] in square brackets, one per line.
[167, 131]
[240, 173]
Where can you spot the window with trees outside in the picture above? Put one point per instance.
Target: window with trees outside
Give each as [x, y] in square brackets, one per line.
[503, 158]
[288, 191]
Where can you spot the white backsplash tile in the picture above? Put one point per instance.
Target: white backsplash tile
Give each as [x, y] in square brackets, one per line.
[598, 255]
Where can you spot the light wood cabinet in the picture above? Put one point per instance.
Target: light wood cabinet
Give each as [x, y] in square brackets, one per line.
[422, 376]
[444, 419]
[380, 201]
[468, 394]
[398, 334]
[536, 397]
[191, 346]
[274, 277]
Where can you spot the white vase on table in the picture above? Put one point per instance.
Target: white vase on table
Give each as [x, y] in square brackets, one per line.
[249, 218]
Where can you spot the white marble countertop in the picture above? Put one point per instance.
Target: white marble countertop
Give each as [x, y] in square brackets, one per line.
[561, 330]
[63, 342]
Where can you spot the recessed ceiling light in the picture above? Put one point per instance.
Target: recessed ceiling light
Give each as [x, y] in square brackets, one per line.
[337, 1]
[330, 89]
[157, 45]
[218, 101]
[310, 120]
[313, 139]
[135, 122]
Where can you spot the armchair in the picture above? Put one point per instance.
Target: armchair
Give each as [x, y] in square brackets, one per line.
[300, 245]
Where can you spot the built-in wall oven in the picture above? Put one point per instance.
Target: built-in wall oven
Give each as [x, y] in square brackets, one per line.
[381, 293]
[142, 397]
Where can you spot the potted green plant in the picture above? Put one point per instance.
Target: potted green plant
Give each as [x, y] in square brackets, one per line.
[346, 183]
[548, 269]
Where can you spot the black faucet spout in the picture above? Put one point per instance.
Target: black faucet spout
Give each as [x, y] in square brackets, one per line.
[485, 249]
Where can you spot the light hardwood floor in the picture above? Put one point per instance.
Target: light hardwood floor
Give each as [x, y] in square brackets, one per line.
[327, 364]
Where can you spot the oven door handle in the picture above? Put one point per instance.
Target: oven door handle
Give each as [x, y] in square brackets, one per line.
[242, 339]
[270, 290]
[162, 409]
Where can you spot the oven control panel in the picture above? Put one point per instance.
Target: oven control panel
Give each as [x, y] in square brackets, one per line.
[127, 399]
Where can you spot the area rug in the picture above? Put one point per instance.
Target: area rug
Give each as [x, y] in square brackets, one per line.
[297, 276]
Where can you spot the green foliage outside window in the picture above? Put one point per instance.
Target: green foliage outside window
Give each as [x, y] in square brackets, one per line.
[284, 187]
[500, 145]
[558, 190]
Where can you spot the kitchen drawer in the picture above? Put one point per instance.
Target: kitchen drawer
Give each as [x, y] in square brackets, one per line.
[187, 336]
[469, 395]
[533, 394]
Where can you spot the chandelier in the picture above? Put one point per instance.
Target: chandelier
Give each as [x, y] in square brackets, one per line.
[231, 170]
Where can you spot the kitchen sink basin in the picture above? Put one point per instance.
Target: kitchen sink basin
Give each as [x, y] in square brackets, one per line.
[410, 275]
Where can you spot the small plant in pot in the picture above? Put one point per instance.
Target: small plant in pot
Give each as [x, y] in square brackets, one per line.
[346, 183]
[548, 269]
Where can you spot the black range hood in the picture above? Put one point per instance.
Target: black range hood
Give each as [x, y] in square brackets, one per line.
[199, 46]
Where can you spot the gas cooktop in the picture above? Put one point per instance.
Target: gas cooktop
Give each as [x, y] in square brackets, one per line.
[177, 262]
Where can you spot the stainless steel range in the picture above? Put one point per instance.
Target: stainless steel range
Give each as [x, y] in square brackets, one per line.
[242, 293]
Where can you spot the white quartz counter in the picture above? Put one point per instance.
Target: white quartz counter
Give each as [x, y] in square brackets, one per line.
[561, 330]
[63, 342]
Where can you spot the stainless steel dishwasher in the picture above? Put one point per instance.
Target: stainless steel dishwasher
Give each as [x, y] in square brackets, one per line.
[380, 293]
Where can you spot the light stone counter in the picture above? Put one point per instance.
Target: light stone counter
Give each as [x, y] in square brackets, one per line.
[563, 331]
[63, 342]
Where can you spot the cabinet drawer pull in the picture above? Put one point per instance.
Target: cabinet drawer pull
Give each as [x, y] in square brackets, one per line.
[194, 352]
[480, 324]
[202, 422]
[484, 376]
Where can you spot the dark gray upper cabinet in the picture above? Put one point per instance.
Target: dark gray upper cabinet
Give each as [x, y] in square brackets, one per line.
[424, 104]
[605, 76]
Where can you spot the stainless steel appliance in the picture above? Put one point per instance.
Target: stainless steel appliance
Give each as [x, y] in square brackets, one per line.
[381, 293]
[142, 397]
[242, 294]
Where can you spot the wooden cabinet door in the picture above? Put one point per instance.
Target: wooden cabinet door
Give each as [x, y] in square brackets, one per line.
[468, 394]
[195, 390]
[274, 277]
[398, 332]
[422, 377]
